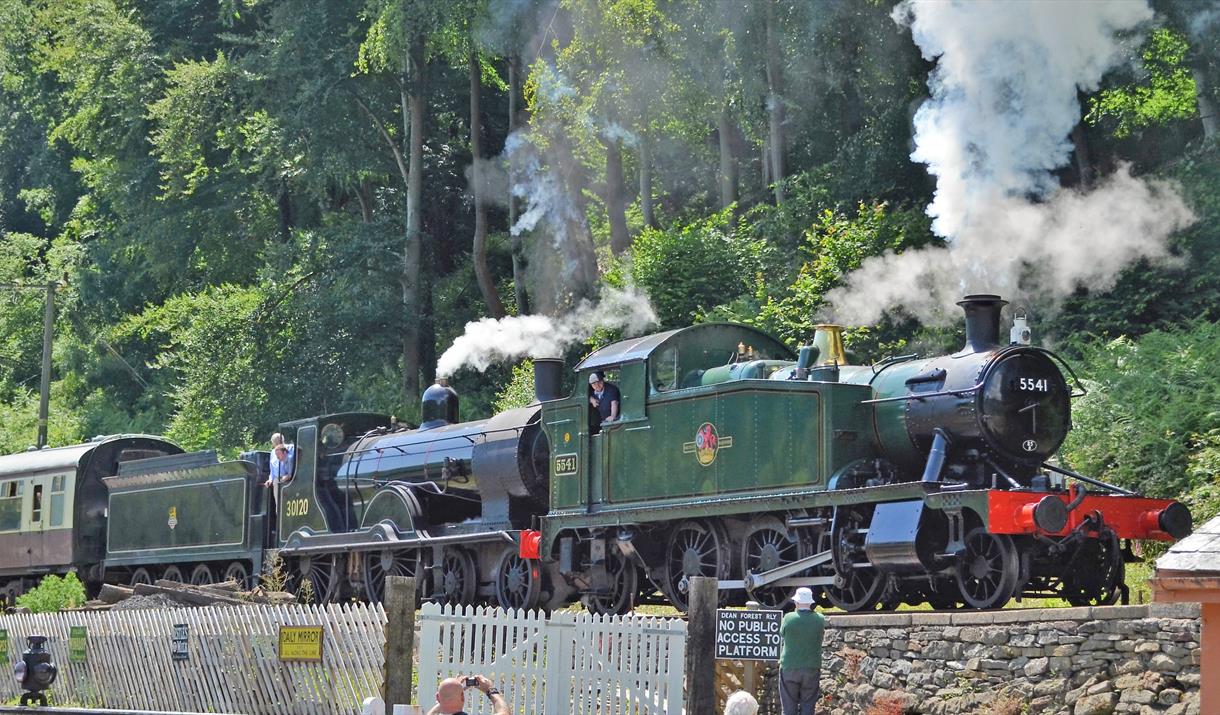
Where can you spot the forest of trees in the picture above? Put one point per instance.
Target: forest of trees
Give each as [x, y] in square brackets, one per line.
[258, 210]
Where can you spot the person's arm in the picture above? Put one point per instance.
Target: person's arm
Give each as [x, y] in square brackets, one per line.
[435, 709]
[498, 703]
[614, 409]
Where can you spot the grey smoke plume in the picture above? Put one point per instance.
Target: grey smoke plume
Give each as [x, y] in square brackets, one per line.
[487, 340]
[1004, 101]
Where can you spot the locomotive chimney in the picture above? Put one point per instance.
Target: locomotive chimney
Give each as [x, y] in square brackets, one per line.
[548, 375]
[982, 321]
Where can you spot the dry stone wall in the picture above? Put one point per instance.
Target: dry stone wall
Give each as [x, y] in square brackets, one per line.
[1078, 661]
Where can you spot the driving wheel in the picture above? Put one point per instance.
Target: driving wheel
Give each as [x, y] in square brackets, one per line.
[768, 545]
[858, 586]
[380, 564]
[458, 579]
[323, 574]
[623, 585]
[695, 548]
[518, 581]
[988, 569]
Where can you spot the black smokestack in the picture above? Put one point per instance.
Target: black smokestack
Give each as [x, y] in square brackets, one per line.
[548, 375]
[982, 321]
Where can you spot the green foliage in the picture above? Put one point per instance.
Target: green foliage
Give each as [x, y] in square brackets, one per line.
[1166, 94]
[1150, 421]
[519, 391]
[692, 267]
[836, 244]
[54, 593]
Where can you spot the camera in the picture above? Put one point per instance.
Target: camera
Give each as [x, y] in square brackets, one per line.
[471, 681]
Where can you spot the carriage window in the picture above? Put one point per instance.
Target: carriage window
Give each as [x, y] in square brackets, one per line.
[36, 509]
[57, 500]
[10, 506]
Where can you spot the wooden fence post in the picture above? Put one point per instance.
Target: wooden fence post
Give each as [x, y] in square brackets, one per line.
[399, 640]
[701, 646]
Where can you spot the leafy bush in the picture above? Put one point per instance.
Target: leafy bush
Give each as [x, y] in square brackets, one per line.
[690, 268]
[519, 391]
[835, 245]
[1150, 421]
[54, 593]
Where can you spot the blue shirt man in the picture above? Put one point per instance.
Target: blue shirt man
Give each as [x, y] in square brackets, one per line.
[283, 459]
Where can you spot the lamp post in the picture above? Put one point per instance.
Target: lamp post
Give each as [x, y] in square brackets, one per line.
[48, 327]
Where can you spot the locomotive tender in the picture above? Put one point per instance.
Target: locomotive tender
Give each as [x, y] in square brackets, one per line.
[908, 481]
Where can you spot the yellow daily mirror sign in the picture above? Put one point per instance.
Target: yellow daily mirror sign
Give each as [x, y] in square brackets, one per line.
[302, 643]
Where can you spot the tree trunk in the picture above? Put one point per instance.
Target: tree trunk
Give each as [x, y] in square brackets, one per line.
[414, 109]
[364, 194]
[775, 104]
[620, 239]
[1084, 165]
[646, 208]
[1207, 109]
[482, 273]
[728, 159]
[518, 247]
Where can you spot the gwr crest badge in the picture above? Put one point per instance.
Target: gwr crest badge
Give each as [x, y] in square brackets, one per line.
[173, 517]
[707, 444]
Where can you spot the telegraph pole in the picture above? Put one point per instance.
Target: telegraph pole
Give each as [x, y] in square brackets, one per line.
[44, 398]
[48, 329]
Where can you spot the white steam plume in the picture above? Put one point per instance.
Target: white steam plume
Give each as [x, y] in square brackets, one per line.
[488, 340]
[1004, 101]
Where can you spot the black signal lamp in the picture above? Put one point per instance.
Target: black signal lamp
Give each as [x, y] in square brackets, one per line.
[35, 672]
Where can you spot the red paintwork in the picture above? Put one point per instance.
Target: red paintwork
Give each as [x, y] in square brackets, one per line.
[531, 544]
[1130, 517]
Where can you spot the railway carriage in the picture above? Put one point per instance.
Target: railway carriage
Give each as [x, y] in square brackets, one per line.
[53, 508]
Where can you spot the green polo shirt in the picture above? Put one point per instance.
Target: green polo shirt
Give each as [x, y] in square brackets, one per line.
[802, 632]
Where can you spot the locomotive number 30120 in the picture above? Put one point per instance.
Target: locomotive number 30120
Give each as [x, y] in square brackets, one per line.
[296, 507]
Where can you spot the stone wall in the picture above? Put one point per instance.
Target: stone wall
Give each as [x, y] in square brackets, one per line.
[1080, 661]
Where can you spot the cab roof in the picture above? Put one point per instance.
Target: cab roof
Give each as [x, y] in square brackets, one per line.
[641, 348]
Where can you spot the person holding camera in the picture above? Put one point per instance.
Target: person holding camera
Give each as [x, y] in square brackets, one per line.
[451, 696]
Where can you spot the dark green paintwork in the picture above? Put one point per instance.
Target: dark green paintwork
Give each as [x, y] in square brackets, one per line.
[200, 513]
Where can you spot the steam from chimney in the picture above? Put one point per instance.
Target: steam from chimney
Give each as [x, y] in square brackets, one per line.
[487, 340]
[1003, 103]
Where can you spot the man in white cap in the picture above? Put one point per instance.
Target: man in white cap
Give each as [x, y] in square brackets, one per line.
[605, 399]
[800, 656]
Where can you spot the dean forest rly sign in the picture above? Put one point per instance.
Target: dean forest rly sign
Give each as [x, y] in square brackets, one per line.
[707, 444]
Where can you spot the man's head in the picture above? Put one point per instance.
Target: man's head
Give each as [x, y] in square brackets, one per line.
[741, 703]
[450, 695]
[803, 598]
[281, 452]
[276, 440]
[596, 380]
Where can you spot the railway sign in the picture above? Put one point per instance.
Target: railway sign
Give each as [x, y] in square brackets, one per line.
[748, 635]
[78, 638]
[3, 646]
[177, 645]
[301, 643]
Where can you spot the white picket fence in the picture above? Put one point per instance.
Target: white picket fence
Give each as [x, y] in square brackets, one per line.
[232, 663]
[561, 664]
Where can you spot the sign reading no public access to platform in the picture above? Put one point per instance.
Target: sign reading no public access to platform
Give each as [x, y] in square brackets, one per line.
[301, 643]
[747, 635]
